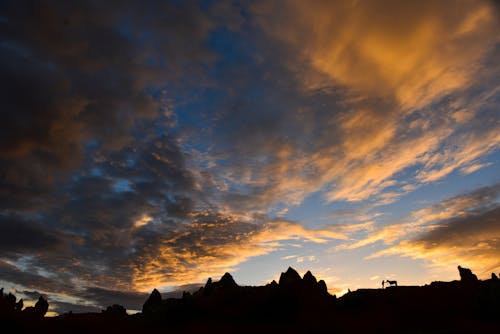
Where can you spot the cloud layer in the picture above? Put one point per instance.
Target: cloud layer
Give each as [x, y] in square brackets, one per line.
[464, 230]
[154, 145]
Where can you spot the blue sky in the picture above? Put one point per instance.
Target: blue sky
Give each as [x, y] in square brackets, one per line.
[356, 140]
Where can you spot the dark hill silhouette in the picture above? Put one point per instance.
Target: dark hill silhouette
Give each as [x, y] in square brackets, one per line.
[294, 305]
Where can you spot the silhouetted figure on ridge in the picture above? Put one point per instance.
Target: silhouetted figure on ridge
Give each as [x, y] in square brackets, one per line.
[392, 283]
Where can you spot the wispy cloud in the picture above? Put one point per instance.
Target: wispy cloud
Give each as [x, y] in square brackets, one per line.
[471, 240]
[216, 244]
[413, 53]
[428, 220]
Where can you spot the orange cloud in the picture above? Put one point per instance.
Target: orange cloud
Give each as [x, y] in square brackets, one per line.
[462, 230]
[205, 249]
[413, 52]
[408, 55]
[428, 221]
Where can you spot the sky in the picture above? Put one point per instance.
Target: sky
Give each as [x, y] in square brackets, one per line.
[157, 144]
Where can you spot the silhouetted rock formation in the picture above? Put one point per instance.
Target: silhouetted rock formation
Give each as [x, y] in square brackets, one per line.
[8, 304]
[295, 305]
[227, 281]
[19, 305]
[153, 303]
[10, 308]
[309, 278]
[289, 277]
[494, 277]
[115, 310]
[322, 286]
[466, 275]
[38, 311]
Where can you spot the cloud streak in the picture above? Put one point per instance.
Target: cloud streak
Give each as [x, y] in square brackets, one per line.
[214, 244]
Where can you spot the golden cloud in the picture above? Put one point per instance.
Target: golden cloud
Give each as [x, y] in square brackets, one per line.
[429, 220]
[413, 52]
[409, 55]
[206, 249]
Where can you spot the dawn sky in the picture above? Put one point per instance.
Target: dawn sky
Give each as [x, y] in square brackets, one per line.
[155, 144]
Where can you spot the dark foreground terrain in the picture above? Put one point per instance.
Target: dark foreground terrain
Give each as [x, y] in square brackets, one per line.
[293, 305]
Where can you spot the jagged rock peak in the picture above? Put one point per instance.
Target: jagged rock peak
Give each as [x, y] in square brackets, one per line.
[290, 276]
[227, 281]
[155, 295]
[466, 275]
[209, 282]
[309, 277]
[292, 273]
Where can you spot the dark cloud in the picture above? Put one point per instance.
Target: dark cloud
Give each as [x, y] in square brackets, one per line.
[74, 74]
[103, 297]
[87, 147]
[18, 235]
[31, 279]
[64, 307]
[481, 226]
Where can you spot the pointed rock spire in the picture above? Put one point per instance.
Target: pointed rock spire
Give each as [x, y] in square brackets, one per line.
[322, 286]
[227, 281]
[309, 278]
[41, 307]
[152, 303]
[209, 282]
[290, 276]
[19, 305]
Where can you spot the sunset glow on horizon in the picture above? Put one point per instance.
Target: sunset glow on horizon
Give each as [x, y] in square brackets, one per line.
[155, 145]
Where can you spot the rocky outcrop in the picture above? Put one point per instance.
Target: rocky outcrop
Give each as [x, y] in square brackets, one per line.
[116, 311]
[8, 304]
[290, 277]
[227, 281]
[309, 278]
[153, 303]
[38, 311]
[322, 287]
[466, 275]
